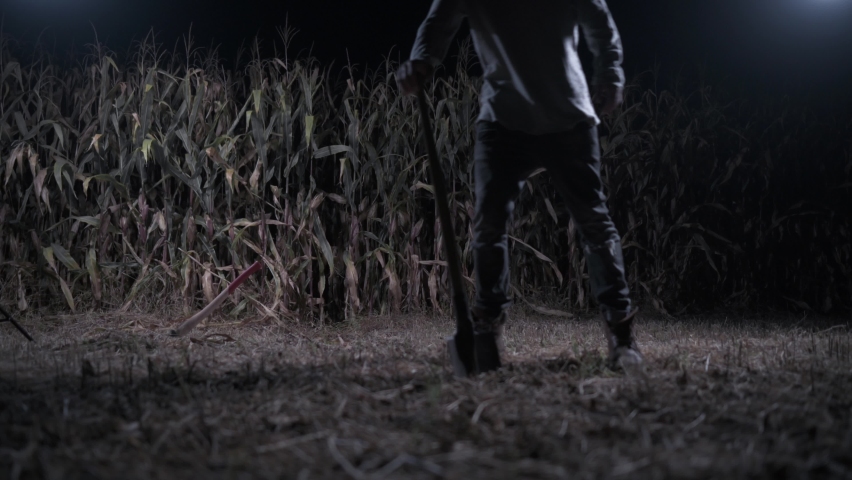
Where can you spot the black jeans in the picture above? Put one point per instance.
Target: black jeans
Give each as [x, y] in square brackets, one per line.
[503, 159]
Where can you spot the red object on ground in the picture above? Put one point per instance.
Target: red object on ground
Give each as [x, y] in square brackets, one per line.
[194, 320]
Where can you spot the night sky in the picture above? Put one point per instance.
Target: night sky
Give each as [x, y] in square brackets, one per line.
[766, 44]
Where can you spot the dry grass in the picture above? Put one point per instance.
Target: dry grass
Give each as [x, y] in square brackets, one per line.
[114, 396]
[171, 171]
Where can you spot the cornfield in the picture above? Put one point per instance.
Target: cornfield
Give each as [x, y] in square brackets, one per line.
[171, 173]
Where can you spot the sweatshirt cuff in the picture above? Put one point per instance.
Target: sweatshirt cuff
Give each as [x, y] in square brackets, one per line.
[610, 76]
[423, 56]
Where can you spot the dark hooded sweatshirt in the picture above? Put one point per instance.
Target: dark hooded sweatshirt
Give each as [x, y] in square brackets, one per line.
[533, 80]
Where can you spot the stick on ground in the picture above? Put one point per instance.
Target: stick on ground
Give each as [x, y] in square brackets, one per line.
[16, 324]
[194, 320]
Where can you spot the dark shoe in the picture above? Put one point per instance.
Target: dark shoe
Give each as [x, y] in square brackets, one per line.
[483, 323]
[488, 340]
[623, 351]
[487, 352]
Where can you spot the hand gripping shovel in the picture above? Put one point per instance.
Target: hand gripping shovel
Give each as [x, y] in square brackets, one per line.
[469, 354]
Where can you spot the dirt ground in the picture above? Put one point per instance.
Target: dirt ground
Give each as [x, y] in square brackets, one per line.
[113, 396]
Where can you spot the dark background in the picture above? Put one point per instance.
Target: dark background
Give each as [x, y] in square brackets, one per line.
[779, 46]
[768, 175]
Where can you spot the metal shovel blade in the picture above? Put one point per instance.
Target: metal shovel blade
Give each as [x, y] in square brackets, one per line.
[460, 370]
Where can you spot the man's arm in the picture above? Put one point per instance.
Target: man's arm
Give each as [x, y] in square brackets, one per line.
[604, 41]
[437, 31]
[431, 45]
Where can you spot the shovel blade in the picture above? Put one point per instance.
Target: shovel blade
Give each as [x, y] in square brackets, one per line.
[483, 357]
[461, 361]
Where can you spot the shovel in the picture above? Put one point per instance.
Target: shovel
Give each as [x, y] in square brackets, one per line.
[470, 354]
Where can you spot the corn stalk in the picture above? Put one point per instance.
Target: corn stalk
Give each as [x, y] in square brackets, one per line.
[170, 173]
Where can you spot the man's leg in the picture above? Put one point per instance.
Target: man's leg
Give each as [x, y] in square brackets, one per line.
[502, 161]
[573, 158]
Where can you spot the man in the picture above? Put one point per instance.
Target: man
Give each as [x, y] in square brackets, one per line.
[536, 111]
